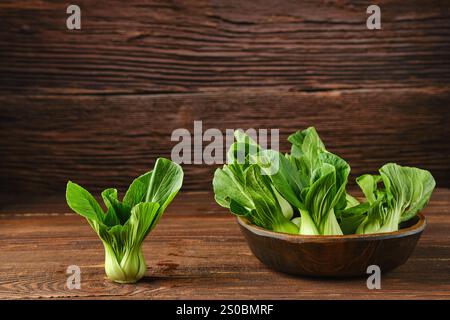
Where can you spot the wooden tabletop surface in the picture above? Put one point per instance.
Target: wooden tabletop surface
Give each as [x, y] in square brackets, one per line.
[196, 252]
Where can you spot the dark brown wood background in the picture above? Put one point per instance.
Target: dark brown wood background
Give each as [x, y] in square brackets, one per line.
[98, 105]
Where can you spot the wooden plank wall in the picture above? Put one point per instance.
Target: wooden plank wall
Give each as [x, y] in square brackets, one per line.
[99, 105]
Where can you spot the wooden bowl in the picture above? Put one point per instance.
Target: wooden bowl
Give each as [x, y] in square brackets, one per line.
[333, 256]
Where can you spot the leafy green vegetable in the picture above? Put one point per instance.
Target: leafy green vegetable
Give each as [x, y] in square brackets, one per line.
[267, 210]
[406, 191]
[410, 188]
[378, 219]
[368, 184]
[283, 175]
[126, 223]
[242, 187]
[353, 215]
[313, 180]
[305, 191]
[321, 200]
[270, 188]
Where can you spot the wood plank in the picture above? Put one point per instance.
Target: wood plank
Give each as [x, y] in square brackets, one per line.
[105, 141]
[193, 257]
[190, 202]
[202, 46]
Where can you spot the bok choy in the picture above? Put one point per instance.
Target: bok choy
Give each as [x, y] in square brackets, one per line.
[313, 180]
[404, 192]
[304, 191]
[124, 226]
[241, 187]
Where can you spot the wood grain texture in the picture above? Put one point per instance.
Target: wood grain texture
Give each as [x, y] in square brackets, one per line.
[202, 46]
[105, 141]
[196, 258]
[333, 256]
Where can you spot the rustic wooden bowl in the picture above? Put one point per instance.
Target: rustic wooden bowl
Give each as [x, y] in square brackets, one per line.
[333, 256]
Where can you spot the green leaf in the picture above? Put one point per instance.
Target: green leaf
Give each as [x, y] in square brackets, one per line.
[283, 175]
[351, 201]
[229, 184]
[368, 184]
[410, 188]
[109, 195]
[143, 219]
[406, 191]
[137, 191]
[266, 185]
[286, 208]
[165, 182]
[306, 148]
[321, 199]
[353, 216]
[297, 221]
[306, 143]
[118, 212]
[268, 213]
[376, 220]
[307, 226]
[243, 151]
[239, 210]
[83, 203]
[342, 170]
[124, 228]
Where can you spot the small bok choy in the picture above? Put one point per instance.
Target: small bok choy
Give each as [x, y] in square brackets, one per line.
[404, 191]
[241, 187]
[312, 180]
[304, 191]
[296, 193]
[123, 228]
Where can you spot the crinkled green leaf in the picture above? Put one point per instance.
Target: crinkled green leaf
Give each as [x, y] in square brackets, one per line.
[406, 191]
[229, 184]
[410, 187]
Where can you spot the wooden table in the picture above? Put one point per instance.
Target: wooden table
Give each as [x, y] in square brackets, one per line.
[196, 252]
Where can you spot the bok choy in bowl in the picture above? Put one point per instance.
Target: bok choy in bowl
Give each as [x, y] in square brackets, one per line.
[301, 197]
[124, 226]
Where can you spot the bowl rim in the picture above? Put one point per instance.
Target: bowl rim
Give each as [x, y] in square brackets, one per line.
[418, 227]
